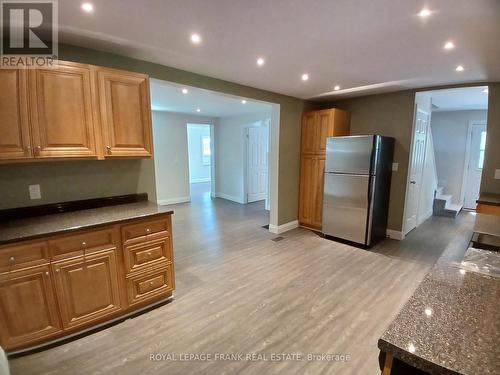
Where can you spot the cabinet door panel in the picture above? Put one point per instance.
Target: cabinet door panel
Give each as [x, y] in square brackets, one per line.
[87, 289]
[28, 309]
[125, 113]
[307, 189]
[15, 142]
[317, 214]
[63, 124]
[325, 130]
[309, 133]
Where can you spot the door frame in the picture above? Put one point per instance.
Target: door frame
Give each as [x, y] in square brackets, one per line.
[468, 141]
[246, 178]
[212, 155]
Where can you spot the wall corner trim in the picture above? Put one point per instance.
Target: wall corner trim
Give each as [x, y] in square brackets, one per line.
[166, 202]
[278, 229]
[395, 235]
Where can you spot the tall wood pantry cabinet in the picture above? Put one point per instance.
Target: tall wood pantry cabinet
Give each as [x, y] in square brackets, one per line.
[317, 126]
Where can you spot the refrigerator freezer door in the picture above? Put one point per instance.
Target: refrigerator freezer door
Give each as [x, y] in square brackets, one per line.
[349, 154]
[346, 206]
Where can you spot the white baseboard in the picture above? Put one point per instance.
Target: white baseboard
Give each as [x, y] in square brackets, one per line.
[166, 202]
[198, 180]
[278, 229]
[230, 198]
[395, 235]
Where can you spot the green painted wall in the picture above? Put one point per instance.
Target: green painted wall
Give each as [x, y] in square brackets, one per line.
[97, 178]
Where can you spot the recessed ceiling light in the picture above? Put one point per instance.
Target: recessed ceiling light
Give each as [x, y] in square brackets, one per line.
[485, 90]
[459, 68]
[305, 77]
[260, 61]
[424, 13]
[87, 7]
[198, 110]
[449, 45]
[195, 38]
[336, 88]
[428, 311]
[243, 101]
[184, 91]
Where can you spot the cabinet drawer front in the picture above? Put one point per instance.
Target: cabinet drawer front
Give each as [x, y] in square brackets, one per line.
[150, 285]
[145, 230]
[147, 254]
[75, 244]
[23, 255]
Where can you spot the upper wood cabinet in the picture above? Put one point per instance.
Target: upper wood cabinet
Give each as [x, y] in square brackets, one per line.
[74, 110]
[61, 111]
[15, 141]
[317, 126]
[125, 113]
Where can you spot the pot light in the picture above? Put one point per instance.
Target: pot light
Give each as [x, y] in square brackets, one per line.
[428, 311]
[87, 7]
[195, 38]
[260, 61]
[424, 13]
[184, 91]
[459, 68]
[243, 101]
[198, 110]
[449, 45]
[485, 90]
[305, 77]
[336, 88]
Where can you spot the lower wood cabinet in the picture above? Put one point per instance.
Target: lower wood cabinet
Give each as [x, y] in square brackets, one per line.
[28, 308]
[53, 287]
[87, 288]
[312, 170]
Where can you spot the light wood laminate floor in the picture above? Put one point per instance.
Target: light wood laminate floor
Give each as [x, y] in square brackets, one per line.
[240, 292]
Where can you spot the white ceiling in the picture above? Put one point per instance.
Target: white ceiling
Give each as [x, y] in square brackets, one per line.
[168, 97]
[459, 99]
[366, 46]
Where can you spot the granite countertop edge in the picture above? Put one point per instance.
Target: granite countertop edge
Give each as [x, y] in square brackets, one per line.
[53, 224]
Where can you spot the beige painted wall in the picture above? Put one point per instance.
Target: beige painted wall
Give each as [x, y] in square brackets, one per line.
[132, 176]
[492, 154]
[389, 115]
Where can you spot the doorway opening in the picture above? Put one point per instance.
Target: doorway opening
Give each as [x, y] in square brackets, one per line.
[199, 141]
[447, 153]
[215, 149]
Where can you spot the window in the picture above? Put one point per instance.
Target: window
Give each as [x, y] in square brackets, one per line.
[206, 153]
[482, 147]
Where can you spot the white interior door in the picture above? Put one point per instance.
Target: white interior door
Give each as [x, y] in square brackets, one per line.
[416, 169]
[257, 169]
[475, 167]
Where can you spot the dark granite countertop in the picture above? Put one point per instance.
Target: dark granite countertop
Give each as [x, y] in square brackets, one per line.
[451, 324]
[35, 227]
[489, 198]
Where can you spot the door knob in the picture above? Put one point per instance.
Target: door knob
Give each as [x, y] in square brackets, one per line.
[413, 182]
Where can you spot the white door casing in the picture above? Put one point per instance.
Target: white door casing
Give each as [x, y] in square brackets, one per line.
[417, 161]
[257, 163]
[474, 168]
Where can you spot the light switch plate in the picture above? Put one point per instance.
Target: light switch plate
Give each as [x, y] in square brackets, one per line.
[35, 192]
[497, 174]
[395, 167]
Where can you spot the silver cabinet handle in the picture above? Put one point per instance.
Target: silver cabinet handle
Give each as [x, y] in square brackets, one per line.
[47, 273]
[151, 283]
[57, 269]
[108, 149]
[84, 244]
[147, 230]
[12, 259]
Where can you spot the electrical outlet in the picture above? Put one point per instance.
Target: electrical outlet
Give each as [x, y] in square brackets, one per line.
[35, 192]
[497, 174]
[395, 167]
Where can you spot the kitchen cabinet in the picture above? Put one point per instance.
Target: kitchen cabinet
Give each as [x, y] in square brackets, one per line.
[55, 286]
[28, 310]
[74, 110]
[125, 113]
[317, 126]
[61, 111]
[15, 139]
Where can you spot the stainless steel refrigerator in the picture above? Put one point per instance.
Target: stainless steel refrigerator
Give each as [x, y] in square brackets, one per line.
[357, 185]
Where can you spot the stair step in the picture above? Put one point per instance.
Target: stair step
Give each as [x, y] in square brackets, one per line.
[444, 197]
[453, 207]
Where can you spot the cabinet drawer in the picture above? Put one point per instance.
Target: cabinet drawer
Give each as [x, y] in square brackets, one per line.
[150, 285]
[75, 244]
[23, 255]
[147, 254]
[145, 230]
